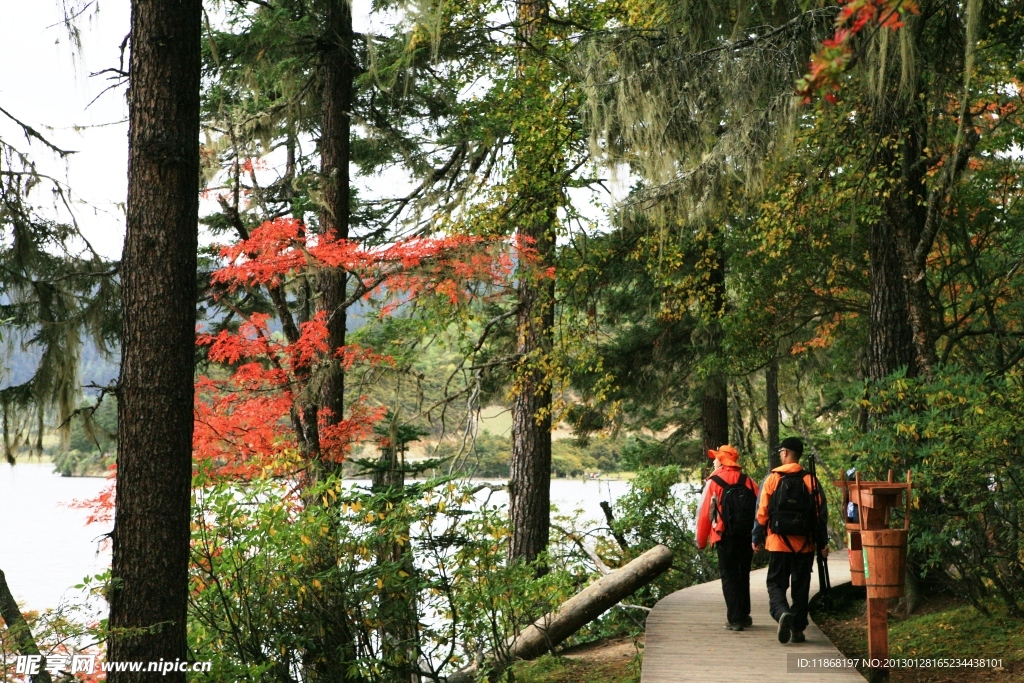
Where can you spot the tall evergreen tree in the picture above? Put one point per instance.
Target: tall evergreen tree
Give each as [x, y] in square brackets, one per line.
[530, 466]
[149, 585]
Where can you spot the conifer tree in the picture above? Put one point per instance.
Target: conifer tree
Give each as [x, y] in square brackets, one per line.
[149, 585]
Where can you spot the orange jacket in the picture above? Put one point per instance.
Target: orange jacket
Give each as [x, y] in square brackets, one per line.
[706, 531]
[775, 543]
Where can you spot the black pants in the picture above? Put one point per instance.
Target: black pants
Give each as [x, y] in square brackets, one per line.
[785, 569]
[734, 555]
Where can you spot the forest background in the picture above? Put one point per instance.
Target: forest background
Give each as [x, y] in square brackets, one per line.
[822, 231]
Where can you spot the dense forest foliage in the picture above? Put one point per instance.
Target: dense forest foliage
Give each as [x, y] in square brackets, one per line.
[821, 237]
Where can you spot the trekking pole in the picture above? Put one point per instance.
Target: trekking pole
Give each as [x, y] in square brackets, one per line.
[824, 583]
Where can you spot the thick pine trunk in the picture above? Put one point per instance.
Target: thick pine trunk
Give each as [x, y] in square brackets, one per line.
[714, 413]
[714, 400]
[771, 385]
[890, 337]
[530, 466]
[149, 587]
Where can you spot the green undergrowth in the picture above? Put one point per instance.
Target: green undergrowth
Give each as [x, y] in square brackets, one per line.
[942, 627]
[554, 669]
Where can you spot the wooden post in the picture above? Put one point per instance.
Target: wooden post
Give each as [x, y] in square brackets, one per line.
[875, 501]
[878, 637]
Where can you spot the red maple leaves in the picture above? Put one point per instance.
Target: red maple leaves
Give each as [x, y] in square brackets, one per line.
[251, 422]
[836, 54]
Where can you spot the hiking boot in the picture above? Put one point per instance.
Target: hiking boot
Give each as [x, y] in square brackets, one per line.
[798, 637]
[785, 627]
[734, 627]
[747, 621]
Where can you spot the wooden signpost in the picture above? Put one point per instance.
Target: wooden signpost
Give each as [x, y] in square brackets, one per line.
[878, 555]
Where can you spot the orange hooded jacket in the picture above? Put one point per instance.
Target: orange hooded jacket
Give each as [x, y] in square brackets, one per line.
[729, 471]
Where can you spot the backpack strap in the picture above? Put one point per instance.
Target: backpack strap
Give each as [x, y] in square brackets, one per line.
[718, 508]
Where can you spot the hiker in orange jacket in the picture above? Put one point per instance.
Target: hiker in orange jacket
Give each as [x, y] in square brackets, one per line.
[793, 512]
[725, 517]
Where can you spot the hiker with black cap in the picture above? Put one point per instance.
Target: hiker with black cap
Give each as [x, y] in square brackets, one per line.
[726, 514]
[792, 512]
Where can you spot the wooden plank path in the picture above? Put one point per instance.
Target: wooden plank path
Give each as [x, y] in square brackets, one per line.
[686, 639]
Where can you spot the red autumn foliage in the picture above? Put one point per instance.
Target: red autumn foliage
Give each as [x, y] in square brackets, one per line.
[250, 423]
[836, 54]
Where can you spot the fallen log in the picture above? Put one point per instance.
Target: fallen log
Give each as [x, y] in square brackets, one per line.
[575, 613]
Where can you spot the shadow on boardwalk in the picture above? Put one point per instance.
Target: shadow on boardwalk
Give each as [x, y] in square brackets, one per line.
[686, 639]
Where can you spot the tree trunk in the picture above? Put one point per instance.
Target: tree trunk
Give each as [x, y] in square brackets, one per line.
[149, 586]
[331, 649]
[399, 617]
[771, 385]
[714, 413]
[890, 338]
[338, 71]
[714, 400]
[530, 465]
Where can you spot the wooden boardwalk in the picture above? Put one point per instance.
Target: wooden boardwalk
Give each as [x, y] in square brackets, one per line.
[686, 639]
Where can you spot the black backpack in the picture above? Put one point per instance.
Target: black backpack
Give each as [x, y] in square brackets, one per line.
[791, 507]
[738, 506]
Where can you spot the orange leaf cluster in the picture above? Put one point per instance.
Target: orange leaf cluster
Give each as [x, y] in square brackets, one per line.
[836, 54]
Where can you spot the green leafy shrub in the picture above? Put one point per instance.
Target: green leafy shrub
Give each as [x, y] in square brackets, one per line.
[962, 436]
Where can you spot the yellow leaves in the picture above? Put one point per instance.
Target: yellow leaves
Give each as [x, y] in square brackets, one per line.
[306, 540]
[317, 584]
[909, 430]
[380, 584]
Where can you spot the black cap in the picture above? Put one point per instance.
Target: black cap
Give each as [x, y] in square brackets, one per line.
[793, 444]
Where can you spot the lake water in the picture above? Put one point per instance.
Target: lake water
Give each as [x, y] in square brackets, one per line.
[46, 548]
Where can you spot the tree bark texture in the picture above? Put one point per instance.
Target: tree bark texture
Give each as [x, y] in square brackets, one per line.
[149, 587]
[578, 611]
[714, 413]
[714, 400]
[890, 337]
[771, 385]
[337, 73]
[530, 465]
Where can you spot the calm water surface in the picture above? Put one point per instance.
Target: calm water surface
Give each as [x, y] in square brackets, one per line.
[46, 548]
